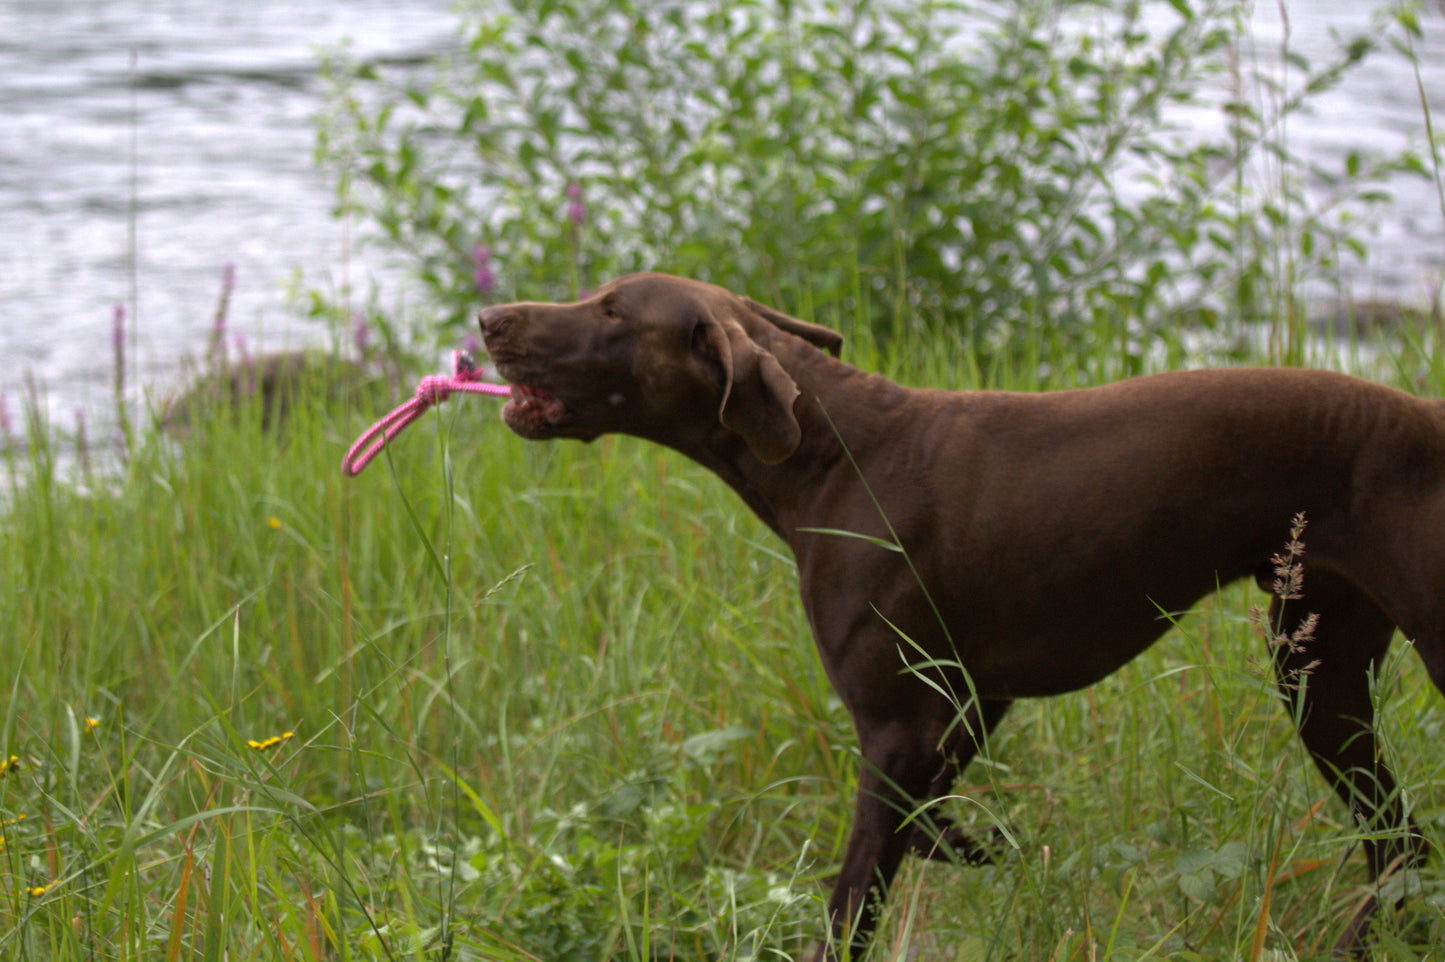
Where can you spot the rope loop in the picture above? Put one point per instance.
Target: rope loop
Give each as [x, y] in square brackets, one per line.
[432, 389]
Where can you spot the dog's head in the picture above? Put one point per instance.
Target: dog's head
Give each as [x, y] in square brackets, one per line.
[660, 357]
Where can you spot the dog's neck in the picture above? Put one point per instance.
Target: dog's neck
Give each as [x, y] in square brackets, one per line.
[782, 495]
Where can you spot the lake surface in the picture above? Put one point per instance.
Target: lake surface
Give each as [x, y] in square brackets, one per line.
[202, 113]
[192, 122]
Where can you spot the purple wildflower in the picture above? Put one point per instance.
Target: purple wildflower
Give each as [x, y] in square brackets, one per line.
[472, 345]
[117, 345]
[117, 329]
[576, 210]
[361, 334]
[482, 274]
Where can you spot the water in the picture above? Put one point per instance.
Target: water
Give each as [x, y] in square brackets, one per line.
[1378, 108]
[200, 112]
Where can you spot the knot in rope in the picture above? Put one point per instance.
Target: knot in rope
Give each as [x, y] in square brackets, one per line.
[434, 389]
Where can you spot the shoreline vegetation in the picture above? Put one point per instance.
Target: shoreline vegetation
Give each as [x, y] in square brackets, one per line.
[508, 701]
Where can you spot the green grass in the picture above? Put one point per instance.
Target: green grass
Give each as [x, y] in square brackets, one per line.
[559, 702]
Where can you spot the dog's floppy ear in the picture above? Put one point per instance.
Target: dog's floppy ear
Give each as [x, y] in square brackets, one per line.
[826, 338]
[758, 394]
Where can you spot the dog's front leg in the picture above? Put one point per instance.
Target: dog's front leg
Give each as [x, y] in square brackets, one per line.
[934, 836]
[898, 767]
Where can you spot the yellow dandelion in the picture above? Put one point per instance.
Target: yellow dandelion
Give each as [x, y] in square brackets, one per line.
[11, 765]
[91, 724]
[271, 742]
[274, 523]
[35, 891]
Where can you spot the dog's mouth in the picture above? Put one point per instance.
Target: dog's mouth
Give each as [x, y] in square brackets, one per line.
[533, 413]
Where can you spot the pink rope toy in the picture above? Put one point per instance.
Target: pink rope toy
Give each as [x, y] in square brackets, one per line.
[433, 389]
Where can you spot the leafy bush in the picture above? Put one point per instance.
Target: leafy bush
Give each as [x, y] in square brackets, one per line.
[974, 167]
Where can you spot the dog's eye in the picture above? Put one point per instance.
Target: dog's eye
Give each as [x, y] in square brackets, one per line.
[609, 311]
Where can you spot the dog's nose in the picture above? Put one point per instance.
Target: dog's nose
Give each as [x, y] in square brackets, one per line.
[495, 319]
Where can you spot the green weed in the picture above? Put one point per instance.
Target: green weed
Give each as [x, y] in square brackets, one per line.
[510, 701]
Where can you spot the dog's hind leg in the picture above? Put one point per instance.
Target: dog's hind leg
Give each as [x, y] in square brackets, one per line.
[1326, 647]
[935, 836]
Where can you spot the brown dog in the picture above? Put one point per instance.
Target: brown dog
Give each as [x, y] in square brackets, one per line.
[1043, 534]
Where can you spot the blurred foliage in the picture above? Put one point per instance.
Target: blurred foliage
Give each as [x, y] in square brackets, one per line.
[976, 168]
